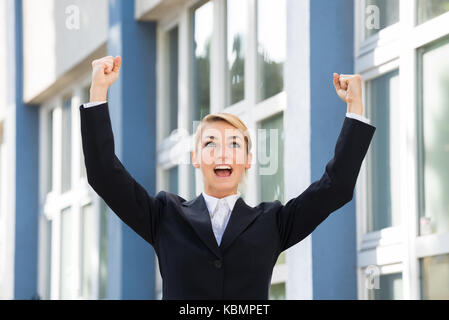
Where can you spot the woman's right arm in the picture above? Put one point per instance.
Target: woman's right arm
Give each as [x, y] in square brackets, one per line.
[105, 173]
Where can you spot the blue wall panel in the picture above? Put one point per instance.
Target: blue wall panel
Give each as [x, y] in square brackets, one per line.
[331, 50]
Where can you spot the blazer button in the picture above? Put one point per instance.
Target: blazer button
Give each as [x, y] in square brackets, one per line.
[217, 264]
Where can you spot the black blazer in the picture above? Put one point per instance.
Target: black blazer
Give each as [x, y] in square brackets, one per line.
[191, 263]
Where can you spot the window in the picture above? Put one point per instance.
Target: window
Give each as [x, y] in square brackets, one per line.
[271, 158]
[66, 144]
[74, 233]
[434, 139]
[173, 51]
[271, 173]
[88, 256]
[390, 287]
[381, 96]
[271, 47]
[173, 180]
[236, 40]
[67, 263]
[435, 277]
[380, 14]
[202, 22]
[428, 9]
[85, 97]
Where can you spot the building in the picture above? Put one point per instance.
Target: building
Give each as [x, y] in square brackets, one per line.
[271, 63]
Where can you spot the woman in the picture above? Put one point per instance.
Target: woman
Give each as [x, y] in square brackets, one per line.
[216, 246]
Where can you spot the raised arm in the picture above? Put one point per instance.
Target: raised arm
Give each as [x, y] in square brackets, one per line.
[105, 173]
[301, 215]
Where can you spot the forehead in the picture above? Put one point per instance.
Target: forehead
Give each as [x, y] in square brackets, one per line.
[220, 129]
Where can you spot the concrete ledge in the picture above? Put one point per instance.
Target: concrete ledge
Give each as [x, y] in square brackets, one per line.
[153, 10]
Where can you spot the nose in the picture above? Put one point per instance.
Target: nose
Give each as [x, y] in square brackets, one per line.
[223, 153]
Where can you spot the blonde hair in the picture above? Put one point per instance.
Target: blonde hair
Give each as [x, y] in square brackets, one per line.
[234, 121]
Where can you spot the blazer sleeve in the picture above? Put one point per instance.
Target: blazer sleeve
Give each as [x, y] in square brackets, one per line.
[301, 215]
[109, 178]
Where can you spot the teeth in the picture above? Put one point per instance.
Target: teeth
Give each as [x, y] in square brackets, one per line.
[223, 167]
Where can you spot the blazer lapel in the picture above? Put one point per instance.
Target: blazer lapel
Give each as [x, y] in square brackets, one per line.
[198, 216]
[241, 217]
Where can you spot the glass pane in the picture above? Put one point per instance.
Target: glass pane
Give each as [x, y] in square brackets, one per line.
[236, 40]
[271, 47]
[435, 277]
[173, 80]
[428, 9]
[50, 150]
[49, 249]
[202, 34]
[434, 150]
[66, 145]
[380, 14]
[281, 258]
[173, 180]
[382, 95]
[277, 291]
[192, 182]
[390, 288]
[103, 249]
[67, 263]
[86, 97]
[271, 158]
[89, 254]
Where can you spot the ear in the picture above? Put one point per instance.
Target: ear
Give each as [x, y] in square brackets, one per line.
[249, 161]
[195, 161]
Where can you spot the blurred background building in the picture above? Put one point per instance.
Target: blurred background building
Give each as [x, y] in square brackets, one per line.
[271, 63]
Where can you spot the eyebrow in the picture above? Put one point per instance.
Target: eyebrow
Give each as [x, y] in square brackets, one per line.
[230, 137]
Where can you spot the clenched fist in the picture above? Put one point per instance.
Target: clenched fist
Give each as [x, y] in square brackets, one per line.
[349, 89]
[104, 73]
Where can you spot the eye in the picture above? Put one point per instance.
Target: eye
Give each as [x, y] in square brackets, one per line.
[208, 144]
[235, 144]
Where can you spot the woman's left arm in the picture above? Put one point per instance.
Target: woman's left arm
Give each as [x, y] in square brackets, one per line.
[301, 215]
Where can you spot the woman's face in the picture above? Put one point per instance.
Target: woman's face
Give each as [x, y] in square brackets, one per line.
[222, 158]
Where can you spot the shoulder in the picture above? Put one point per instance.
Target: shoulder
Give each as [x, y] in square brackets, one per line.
[269, 206]
[169, 198]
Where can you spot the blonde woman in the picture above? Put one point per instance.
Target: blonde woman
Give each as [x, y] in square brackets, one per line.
[216, 246]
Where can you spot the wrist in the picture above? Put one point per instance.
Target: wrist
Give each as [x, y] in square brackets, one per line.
[98, 93]
[355, 107]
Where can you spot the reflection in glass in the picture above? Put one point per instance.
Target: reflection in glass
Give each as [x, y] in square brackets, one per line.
[192, 182]
[434, 140]
[271, 47]
[66, 144]
[435, 277]
[50, 150]
[173, 180]
[382, 95]
[390, 287]
[202, 23]
[236, 38]
[89, 254]
[103, 250]
[380, 14]
[67, 263]
[429, 9]
[86, 97]
[277, 291]
[272, 185]
[173, 80]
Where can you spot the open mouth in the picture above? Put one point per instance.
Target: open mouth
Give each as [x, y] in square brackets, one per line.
[223, 171]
